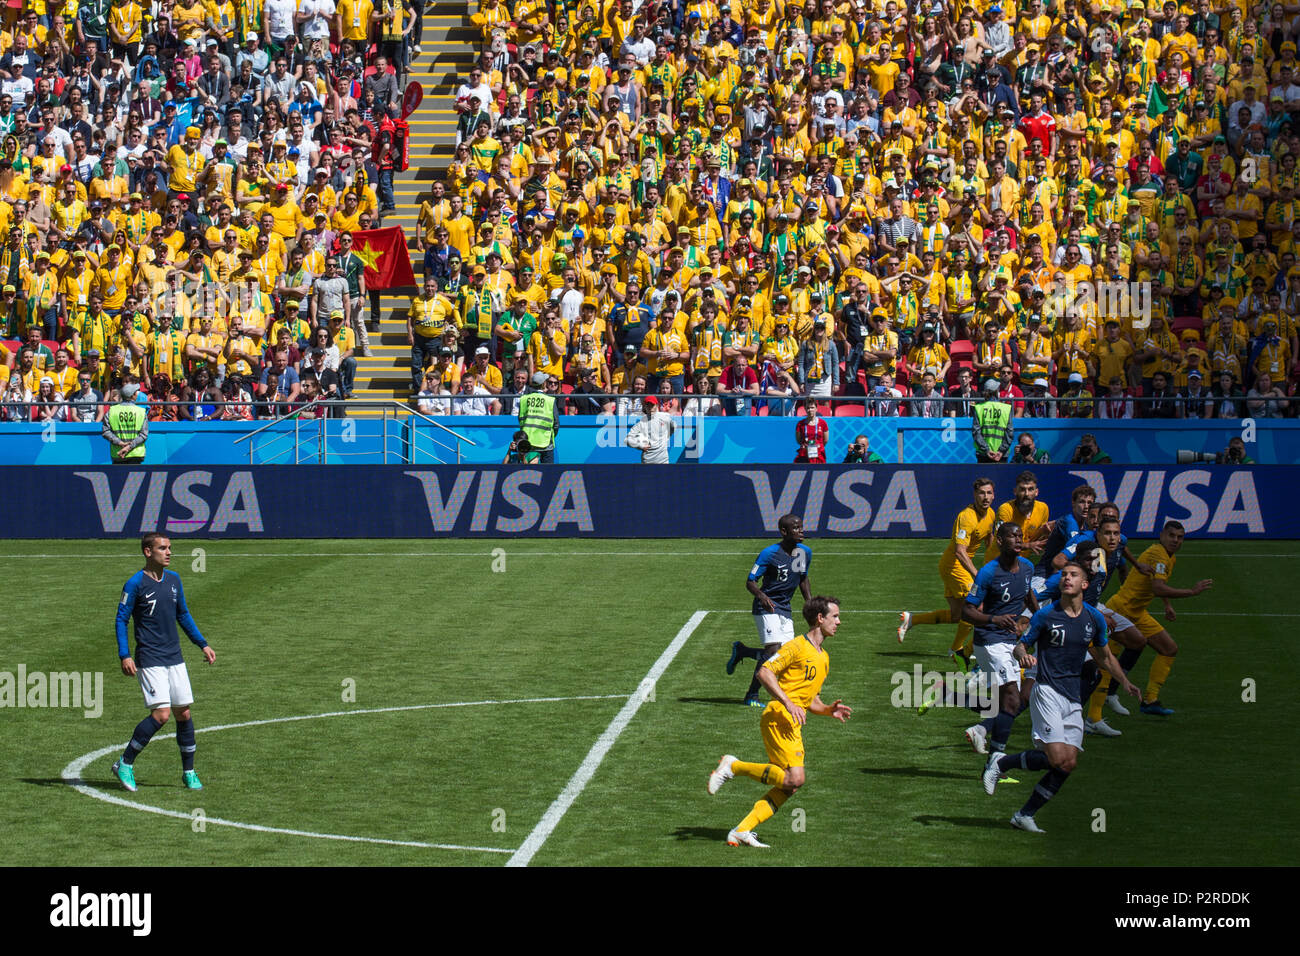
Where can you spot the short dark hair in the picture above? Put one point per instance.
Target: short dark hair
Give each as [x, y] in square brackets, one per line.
[1176, 525]
[980, 483]
[1083, 491]
[151, 540]
[1026, 477]
[818, 606]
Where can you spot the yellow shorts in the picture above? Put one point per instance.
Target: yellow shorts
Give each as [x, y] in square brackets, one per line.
[956, 582]
[1145, 623]
[782, 737]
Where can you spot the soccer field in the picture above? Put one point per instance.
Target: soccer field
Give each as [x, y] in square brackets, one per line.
[451, 702]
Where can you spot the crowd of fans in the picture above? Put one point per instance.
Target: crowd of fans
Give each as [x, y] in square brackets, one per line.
[858, 199]
[179, 185]
[877, 199]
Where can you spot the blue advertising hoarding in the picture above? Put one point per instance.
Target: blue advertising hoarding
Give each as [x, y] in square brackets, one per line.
[599, 440]
[670, 501]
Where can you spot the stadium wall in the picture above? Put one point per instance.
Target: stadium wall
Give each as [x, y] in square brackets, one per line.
[601, 440]
[321, 501]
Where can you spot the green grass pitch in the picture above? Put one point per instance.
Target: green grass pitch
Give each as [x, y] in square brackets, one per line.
[410, 624]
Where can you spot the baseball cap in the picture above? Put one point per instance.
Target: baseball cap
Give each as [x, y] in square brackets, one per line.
[991, 386]
[129, 390]
[649, 400]
[1075, 379]
[539, 379]
[1040, 383]
[482, 350]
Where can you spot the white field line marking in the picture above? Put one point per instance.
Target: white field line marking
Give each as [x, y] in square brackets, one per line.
[72, 772]
[555, 813]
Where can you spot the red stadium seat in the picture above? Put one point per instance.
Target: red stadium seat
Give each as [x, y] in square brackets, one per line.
[762, 412]
[959, 350]
[1185, 322]
[847, 409]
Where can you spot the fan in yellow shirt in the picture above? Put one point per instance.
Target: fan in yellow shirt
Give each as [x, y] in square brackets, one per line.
[794, 677]
[185, 162]
[972, 528]
[1132, 602]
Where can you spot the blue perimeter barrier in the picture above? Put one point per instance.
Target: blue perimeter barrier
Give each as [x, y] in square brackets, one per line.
[599, 440]
[404, 501]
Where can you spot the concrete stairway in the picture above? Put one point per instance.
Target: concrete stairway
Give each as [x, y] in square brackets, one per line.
[448, 48]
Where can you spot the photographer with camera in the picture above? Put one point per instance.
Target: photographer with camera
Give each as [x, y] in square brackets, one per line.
[860, 453]
[1028, 453]
[1234, 454]
[1087, 452]
[521, 451]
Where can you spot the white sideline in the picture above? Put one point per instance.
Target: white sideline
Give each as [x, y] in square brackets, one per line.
[555, 813]
[72, 772]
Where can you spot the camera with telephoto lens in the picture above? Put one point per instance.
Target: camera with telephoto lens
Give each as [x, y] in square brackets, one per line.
[1188, 457]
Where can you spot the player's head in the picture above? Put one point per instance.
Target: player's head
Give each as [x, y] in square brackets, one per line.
[156, 548]
[983, 492]
[1074, 578]
[1108, 533]
[1171, 535]
[823, 612]
[791, 527]
[1107, 509]
[1026, 488]
[1081, 500]
[1010, 538]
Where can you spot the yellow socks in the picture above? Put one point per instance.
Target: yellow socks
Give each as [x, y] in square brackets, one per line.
[1098, 698]
[762, 772]
[964, 642]
[932, 617]
[763, 810]
[1159, 674]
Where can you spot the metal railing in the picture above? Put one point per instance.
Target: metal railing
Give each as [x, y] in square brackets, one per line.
[316, 429]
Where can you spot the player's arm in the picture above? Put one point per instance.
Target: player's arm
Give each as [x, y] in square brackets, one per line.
[1101, 653]
[1141, 566]
[186, 620]
[1024, 647]
[754, 583]
[839, 710]
[124, 608]
[756, 589]
[972, 611]
[1161, 589]
[959, 551]
[805, 588]
[768, 678]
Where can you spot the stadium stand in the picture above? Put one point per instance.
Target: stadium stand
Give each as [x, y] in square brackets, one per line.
[1112, 186]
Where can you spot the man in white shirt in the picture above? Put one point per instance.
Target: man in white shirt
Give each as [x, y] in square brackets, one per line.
[278, 21]
[473, 398]
[315, 16]
[653, 434]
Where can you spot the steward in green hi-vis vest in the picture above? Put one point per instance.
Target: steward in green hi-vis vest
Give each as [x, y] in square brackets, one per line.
[126, 428]
[992, 426]
[538, 419]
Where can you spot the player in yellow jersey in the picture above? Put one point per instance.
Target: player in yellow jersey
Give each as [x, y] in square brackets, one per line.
[794, 677]
[1132, 602]
[972, 529]
[1028, 514]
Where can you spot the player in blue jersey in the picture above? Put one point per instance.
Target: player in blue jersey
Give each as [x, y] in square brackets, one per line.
[1063, 529]
[999, 596]
[154, 598]
[778, 570]
[1065, 632]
